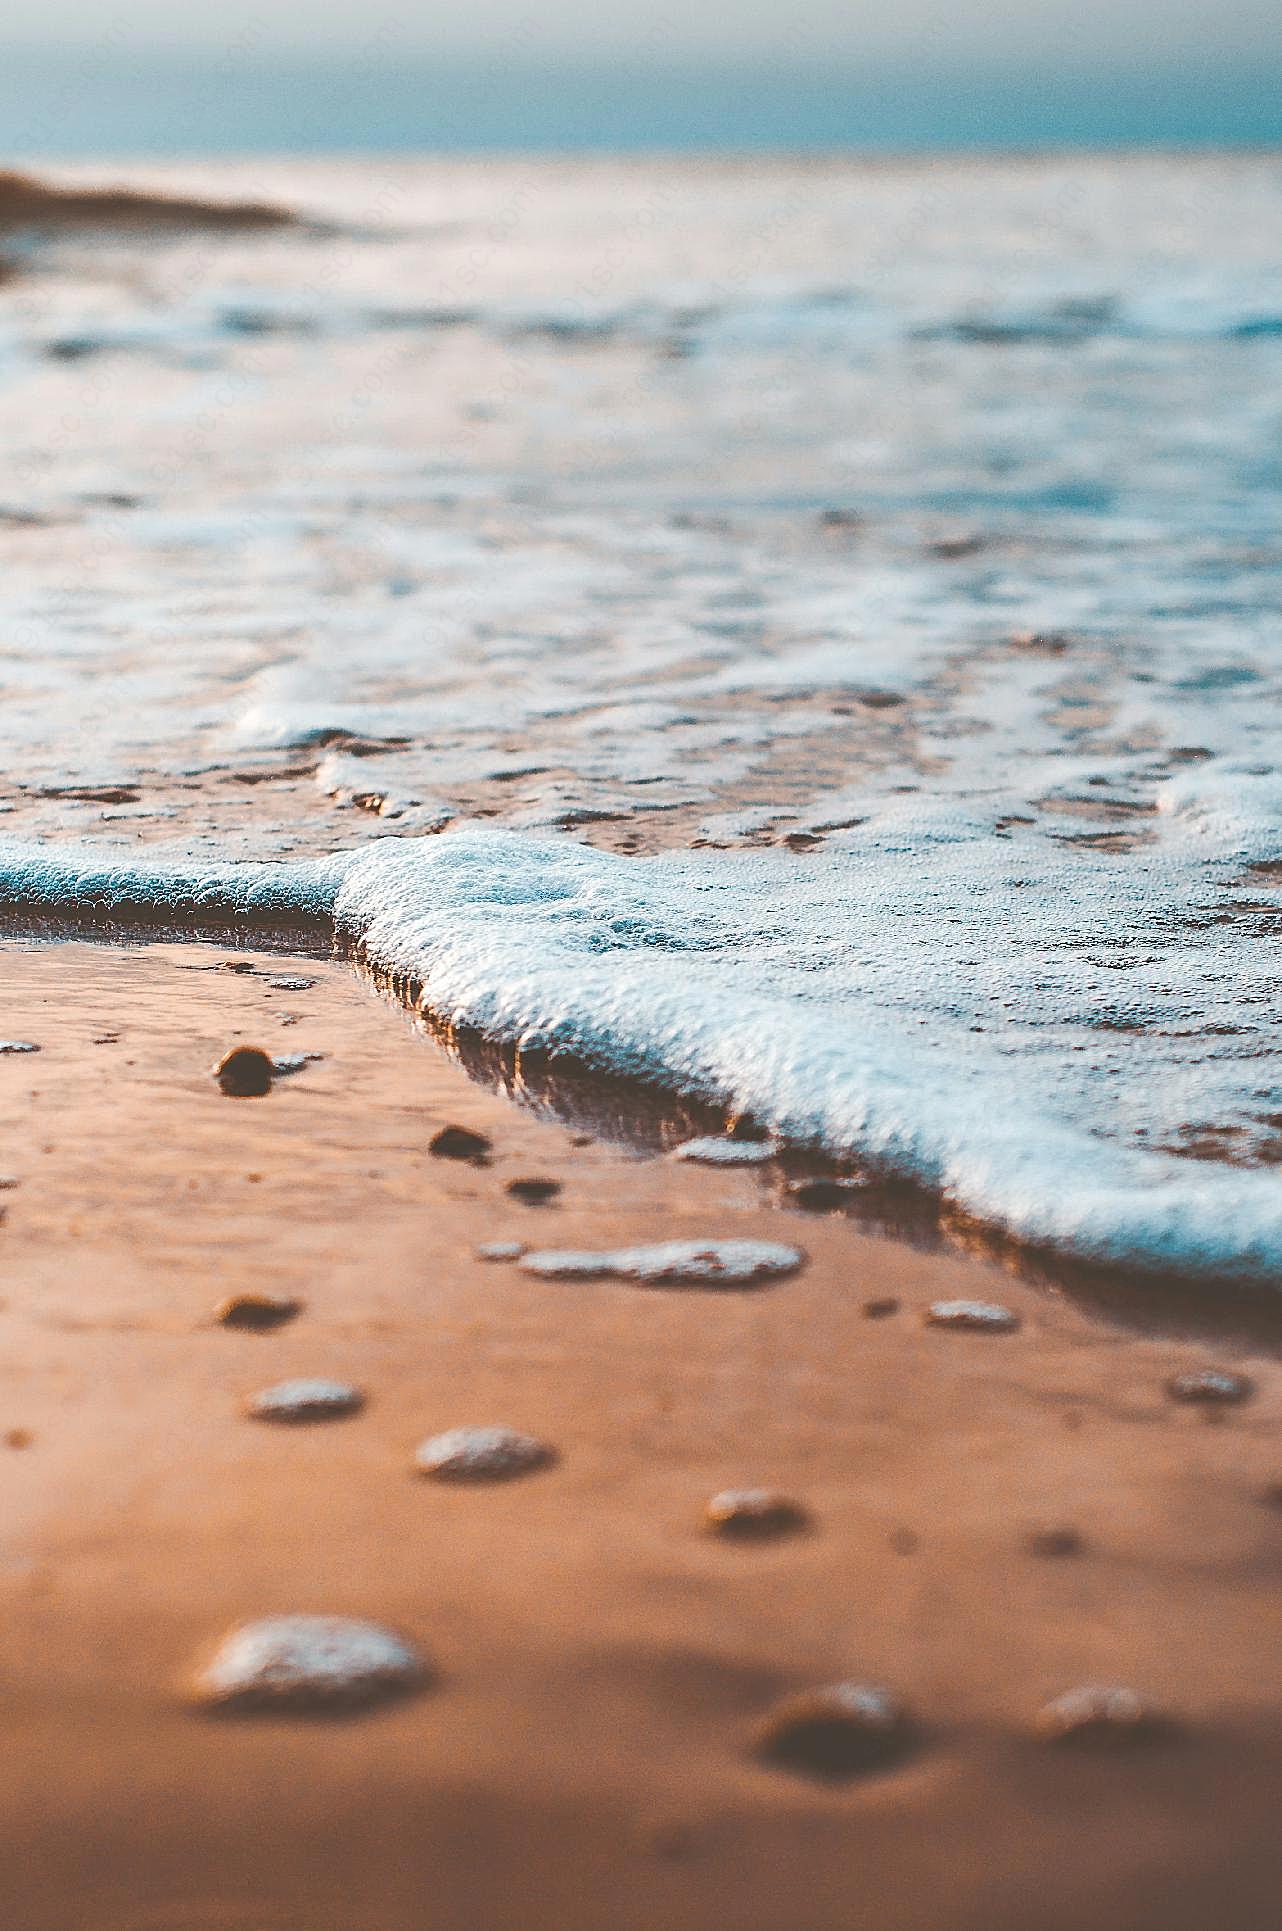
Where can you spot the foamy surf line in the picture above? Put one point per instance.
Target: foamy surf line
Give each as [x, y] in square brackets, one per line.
[682, 972]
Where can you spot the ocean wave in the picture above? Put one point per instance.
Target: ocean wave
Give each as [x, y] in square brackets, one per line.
[744, 985]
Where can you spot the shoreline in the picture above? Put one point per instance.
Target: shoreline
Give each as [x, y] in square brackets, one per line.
[670, 976]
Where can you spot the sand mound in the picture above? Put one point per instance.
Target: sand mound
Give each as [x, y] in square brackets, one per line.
[25, 202]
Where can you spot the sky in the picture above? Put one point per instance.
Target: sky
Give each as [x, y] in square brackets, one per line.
[144, 76]
[851, 30]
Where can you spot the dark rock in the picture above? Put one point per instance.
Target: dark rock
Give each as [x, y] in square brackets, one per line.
[822, 1196]
[754, 1514]
[846, 1730]
[246, 1072]
[460, 1143]
[534, 1193]
[258, 1313]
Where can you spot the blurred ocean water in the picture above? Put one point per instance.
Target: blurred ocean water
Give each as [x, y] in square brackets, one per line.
[896, 548]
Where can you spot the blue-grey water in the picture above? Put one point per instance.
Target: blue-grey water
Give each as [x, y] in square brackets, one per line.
[105, 97]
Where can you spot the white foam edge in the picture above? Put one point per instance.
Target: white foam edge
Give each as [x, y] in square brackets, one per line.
[522, 940]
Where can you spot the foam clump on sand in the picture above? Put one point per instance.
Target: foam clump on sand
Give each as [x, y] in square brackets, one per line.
[308, 1663]
[713, 1152]
[977, 1317]
[703, 1263]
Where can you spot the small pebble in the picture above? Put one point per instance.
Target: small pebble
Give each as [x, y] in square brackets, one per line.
[1057, 1540]
[459, 1143]
[7, 1180]
[701, 1263]
[845, 1730]
[1096, 1713]
[1210, 1385]
[501, 1250]
[257, 1312]
[291, 985]
[481, 1455]
[534, 1193]
[245, 1072]
[880, 1310]
[303, 1400]
[17, 1046]
[713, 1152]
[979, 1317]
[308, 1663]
[754, 1514]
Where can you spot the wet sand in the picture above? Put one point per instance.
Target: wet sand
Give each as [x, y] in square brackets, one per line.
[582, 1759]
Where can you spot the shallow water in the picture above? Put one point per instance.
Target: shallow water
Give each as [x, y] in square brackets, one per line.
[915, 522]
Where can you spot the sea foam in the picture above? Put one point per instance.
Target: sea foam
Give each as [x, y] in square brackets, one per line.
[816, 997]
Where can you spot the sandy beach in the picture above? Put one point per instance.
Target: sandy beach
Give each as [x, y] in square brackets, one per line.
[601, 1660]
[594, 659]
